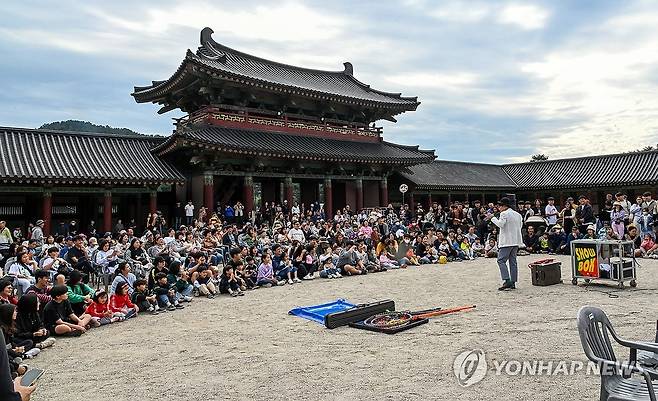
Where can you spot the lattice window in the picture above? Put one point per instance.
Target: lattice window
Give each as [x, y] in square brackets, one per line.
[11, 210]
[67, 210]
[101, 209]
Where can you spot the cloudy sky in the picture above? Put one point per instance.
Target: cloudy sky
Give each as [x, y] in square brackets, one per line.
[498, 81]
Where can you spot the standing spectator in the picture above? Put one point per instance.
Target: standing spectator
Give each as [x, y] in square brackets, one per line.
[189, 213]
[5, 239]
[606, 210]
[635, 211]
[551, 212]
[584, 213]
[37, 232]
[617, 218]
[179, 213]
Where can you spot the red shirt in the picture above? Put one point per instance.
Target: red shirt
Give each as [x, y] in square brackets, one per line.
[97, 310]
[120, 302]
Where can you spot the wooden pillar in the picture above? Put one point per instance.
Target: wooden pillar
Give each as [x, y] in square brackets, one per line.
[429, 200]
[153, 202]
[561, 200]
[209, 192]
[107, 211]
[467, 198]
[288, 191]
[47, 211]
[483, 199]
[383, 192]
[359, 194]
[449, 199]
[248, 194]
[328, 199]
[412, 205]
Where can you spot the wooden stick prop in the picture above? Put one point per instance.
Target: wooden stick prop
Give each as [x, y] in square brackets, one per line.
[392, 319]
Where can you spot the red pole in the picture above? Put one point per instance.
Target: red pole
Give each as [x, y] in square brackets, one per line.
[107, 211]
[359, 194]
[289, 192]
[153, 202]
[248, 194]
[328, 199]
[47, 211]
[383, 192]
[208, 192]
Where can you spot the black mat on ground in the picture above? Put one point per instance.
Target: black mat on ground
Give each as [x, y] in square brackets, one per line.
[358, 313]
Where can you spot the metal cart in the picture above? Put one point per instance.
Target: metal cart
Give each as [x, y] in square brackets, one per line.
[603, 260]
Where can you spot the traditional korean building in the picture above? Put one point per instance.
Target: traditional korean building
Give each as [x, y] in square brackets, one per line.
[255, 131]
[63, 176]
[258, 131]
[595, 176]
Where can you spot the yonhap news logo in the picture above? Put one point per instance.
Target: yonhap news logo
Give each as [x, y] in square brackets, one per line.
[470, 367]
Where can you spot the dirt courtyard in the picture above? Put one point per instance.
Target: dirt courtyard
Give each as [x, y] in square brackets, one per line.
[248, 348]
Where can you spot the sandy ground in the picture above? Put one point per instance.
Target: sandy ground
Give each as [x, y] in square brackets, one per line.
[249, 348]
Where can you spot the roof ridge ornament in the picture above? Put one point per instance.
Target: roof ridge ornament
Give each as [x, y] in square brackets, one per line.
[349, 68]
[208, 47]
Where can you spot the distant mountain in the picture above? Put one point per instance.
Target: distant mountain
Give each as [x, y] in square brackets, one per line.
[86, 126]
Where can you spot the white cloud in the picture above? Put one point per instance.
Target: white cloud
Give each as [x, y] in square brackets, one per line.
[283, 22]
[460, 11]
[525, 16]
[434, 80]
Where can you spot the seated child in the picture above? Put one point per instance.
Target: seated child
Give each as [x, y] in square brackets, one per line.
[648, 246]
[491, 249]
[16, 347]
[29, 325]
[543, 243]
[100, 312]
[144, 300]
[478, 248]
[251, 272]
[265, 277]
[238, 271]
[228, 283]
[58, 316]
[328, 268]
[178, 278]
[288, 270]
[204, 283]
[120, 302]
[466, 248]
[165, 293]
[79, 293]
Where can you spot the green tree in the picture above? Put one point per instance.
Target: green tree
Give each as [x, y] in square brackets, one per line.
[538, 157]
[86, 126]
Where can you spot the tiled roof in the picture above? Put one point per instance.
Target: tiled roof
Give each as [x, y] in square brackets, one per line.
[445, 175]
[279, 145]
[637, 168]
[41, 156]
[219, 59]
[624, 169]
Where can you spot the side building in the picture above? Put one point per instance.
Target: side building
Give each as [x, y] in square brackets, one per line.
[595, 176]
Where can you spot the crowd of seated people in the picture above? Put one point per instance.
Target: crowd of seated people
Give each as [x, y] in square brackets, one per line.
[48, 285]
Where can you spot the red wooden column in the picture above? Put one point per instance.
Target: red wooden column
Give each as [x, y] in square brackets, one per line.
[208, 192]
[328, 199]
[248, 195]
[383, 192]
[359, 194]
[153, 202]
[288, 190]
[107, 211]
[47, 211]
